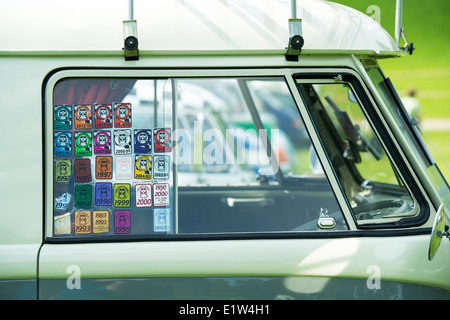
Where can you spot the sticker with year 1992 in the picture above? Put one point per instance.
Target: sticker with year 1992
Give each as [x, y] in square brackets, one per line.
[63, 170]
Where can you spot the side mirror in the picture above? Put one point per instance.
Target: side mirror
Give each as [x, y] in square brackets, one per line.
[438, 232]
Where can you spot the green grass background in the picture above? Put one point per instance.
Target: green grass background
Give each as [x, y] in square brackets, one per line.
[427, 70]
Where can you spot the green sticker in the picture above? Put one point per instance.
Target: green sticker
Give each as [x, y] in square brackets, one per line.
[122, 195]
[83, 195]
[83, 144]
[62, 117]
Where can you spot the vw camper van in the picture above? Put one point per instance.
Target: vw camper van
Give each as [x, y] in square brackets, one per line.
[212, 150]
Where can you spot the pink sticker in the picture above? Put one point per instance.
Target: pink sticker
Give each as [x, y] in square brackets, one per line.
[143, 195]
[122, 222]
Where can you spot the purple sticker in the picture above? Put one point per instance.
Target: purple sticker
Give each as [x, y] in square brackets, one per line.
[122, 222]
[102, 142]
[103, 194]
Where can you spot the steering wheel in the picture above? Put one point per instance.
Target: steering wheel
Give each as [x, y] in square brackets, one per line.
[382, 208]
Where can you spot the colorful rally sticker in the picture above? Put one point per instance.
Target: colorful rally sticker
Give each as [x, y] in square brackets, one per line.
[83, 144]
[143, 167]
[161, 167]
[103, 116]
[122, 141]
[123, 168]
[103, 167]
[100, 221]
[122, 112]
[122, 222]
[161, 194]
[62, 117]
[82, 168]
[83, 118]
[62, 225]
[122, 195]
[83, 222]
[143, 195]
[62, 202]
[102, 142]
[103, 194]
[161, 220]
[63, 144]
[63, 170]
[162, 140]
[83, 195]
[143, 141]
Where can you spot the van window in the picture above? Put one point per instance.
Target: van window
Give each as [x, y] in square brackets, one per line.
[374, 189]
[169, 157]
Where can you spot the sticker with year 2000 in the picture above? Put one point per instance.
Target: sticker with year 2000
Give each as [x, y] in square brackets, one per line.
[122, 195]
[83, 222]
[161, 194]
[143, 194]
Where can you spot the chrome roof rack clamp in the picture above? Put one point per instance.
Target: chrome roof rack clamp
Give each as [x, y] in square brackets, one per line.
[296, 40]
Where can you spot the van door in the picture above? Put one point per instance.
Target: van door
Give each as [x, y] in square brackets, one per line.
[197, 180]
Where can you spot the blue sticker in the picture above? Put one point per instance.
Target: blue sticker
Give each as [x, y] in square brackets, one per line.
[63, 144]
[103, 194]
[142, 141]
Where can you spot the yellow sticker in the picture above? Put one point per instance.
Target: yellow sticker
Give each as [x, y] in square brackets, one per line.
[122, 195]
[143, 167]
[63, 169]
[100, 220]
[82, 222]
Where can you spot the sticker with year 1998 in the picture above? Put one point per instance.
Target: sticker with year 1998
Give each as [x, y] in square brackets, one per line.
[122, 222]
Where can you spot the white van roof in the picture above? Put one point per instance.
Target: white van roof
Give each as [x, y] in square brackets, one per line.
[196, 27]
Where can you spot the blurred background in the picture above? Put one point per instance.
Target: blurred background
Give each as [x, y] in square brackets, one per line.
[423, 76]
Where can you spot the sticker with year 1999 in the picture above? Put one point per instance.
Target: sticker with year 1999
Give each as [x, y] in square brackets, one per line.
[122, 195]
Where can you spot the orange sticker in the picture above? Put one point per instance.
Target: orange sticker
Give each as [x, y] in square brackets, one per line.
[103, 167]
[122, 112]
[83, 119]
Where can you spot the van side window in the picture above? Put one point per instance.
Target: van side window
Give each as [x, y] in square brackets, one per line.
[372, 185]
[167, 157]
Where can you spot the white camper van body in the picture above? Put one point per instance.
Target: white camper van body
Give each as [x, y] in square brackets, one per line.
[48, 45]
